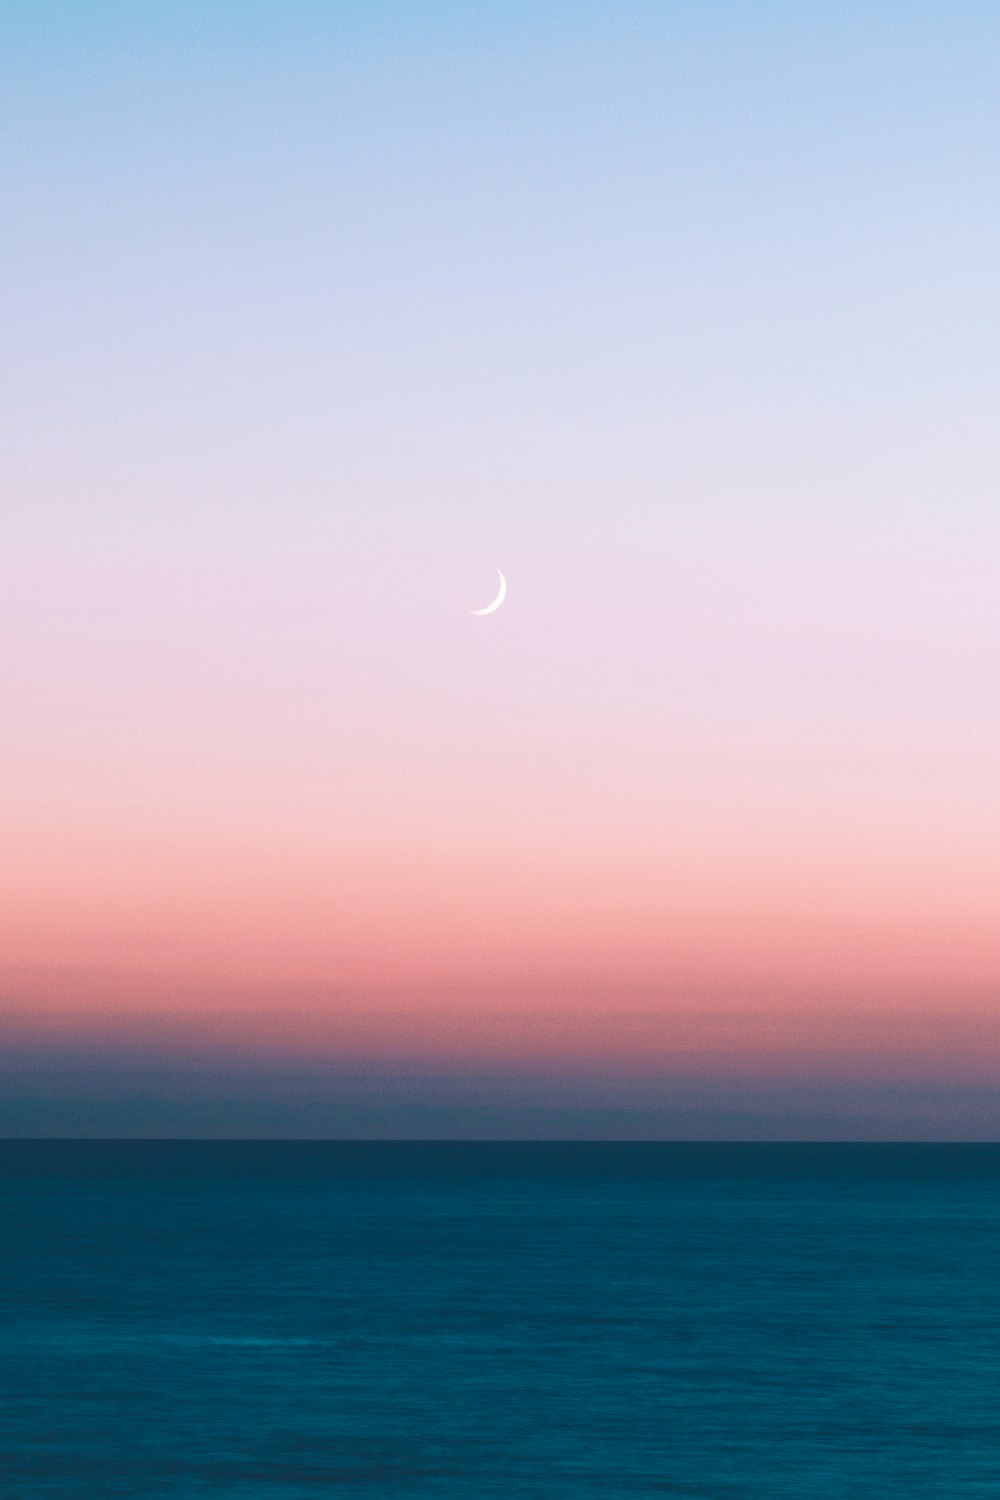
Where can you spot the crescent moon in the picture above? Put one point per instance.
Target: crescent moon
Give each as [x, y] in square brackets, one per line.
[496, 602]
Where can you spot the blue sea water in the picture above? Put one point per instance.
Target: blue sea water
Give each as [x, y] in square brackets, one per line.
[284, 1321]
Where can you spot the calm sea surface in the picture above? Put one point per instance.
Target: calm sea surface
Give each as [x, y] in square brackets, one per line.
[280, 1322]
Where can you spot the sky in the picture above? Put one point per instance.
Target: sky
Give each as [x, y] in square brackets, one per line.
[685, 316]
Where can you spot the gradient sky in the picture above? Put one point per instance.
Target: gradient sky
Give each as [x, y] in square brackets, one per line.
[685, 315]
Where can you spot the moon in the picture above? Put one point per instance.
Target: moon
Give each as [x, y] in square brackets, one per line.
[496, 602]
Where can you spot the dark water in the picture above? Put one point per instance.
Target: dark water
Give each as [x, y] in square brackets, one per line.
[280, 1322]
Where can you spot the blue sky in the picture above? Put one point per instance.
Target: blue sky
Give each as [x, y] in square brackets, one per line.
[684, 315]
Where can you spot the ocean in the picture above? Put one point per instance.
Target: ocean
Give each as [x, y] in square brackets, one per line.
[284, 1321]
